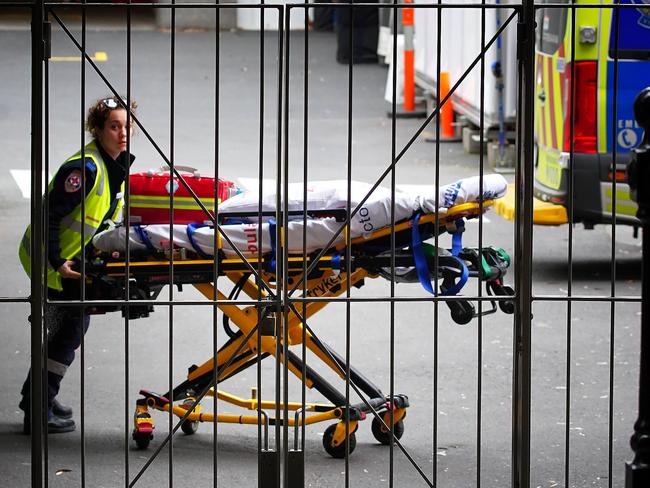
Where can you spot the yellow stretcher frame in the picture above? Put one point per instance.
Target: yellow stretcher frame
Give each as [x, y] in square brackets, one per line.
[239, 351]
[544, 213]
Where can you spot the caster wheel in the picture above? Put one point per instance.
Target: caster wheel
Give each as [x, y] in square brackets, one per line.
[508, 306]
[189, 428]
[384, 436]
[337, 452]
[142, 439]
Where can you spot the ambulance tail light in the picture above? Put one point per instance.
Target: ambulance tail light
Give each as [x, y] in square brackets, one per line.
[585, 128]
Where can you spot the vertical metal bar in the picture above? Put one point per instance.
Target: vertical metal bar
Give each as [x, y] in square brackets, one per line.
[285, 257]
[567, 404]
[170, 379]
[46, 207]
[479, 329]
[612, 335]
[127, 256]
[279, 289]
[524, 251]
[348, 241]
[303, 372]
[215, 244]
[436, 304]
[391, 345]
[260, 312]
[36, 241]
[82, 310]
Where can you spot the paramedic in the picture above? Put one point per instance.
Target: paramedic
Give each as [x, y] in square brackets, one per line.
[106, 165]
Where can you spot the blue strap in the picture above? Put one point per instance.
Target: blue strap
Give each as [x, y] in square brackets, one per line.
[420, 259]
[144, 238]
[336, 261]
[457, 238]
[456, 248]
[191, 229]
[418, 256]
[272, 232]
[461, 281]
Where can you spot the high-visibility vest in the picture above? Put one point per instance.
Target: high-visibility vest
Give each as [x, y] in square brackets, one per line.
[97, 204]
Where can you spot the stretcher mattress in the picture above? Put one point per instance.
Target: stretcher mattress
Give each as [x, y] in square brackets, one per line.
[249, 234]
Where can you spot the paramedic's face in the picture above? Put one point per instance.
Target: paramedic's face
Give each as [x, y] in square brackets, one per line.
[113, 136]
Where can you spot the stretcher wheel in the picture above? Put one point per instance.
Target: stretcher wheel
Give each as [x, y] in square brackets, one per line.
[507, 306]
[337, 452]
[462, 311]
[189, 428]
[142, 439]
[384, 436]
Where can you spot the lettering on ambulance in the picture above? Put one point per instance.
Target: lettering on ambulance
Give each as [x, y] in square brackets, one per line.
[627, 136]
[250, 231]
[365, 220]
[325, 286]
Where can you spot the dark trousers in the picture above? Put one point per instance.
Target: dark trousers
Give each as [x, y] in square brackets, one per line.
[365, 22]
[65, 326]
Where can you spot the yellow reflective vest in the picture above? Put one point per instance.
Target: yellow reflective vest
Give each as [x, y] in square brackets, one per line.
[97, 204]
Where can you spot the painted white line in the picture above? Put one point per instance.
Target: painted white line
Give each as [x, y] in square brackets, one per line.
[23, 178]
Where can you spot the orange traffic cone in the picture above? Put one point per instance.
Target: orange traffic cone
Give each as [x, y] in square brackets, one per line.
[446, 115]
[410, 108]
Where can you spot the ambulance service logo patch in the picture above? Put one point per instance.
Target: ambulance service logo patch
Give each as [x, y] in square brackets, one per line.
[644, 20]
[73, 181]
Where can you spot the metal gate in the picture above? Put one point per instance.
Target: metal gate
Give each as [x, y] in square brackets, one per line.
[536, 399]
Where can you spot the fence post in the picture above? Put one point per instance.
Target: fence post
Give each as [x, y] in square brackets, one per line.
[637, 473]
[521, 397]
[36, 251]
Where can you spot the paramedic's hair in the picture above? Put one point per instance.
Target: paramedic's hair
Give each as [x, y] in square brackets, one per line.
[98, 113]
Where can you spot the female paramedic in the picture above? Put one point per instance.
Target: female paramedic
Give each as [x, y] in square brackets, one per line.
[106, 166]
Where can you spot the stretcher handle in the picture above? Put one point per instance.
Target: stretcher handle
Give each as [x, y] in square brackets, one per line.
[340, 214]
[178, 167]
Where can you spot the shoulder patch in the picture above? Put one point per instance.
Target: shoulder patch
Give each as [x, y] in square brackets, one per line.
[91, 166]
[73, 181]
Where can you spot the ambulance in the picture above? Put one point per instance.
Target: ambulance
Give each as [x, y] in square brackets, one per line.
[597, 131]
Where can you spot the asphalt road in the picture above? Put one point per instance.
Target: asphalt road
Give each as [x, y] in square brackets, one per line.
[464, 358]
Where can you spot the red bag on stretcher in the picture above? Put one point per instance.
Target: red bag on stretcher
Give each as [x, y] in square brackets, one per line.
[150, 196]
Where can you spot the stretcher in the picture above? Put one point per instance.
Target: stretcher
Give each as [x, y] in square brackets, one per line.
[260, 331]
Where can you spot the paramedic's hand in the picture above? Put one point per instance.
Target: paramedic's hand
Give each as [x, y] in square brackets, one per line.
[66, 270]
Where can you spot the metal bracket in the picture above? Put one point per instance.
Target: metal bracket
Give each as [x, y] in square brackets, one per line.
[267, 326]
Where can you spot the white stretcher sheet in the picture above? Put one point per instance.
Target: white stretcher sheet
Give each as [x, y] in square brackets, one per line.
[250, 235]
